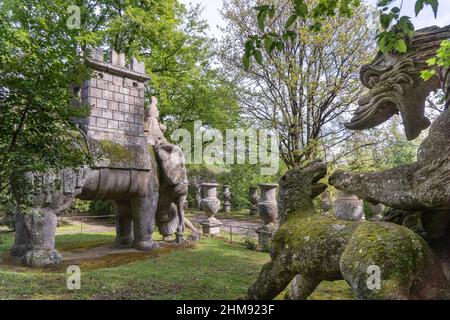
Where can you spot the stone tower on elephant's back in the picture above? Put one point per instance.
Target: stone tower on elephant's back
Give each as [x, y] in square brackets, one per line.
[115, 125]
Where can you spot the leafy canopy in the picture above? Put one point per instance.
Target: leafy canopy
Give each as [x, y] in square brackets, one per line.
[393, 35]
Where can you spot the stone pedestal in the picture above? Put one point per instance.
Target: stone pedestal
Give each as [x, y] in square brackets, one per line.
[211, 226]
[253, 197]
[348, 207]
[325, 203]
[210, 205]
[265, 235]
[377, 211]
[226, 199]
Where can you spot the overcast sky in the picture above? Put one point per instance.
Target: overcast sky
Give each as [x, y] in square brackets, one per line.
[425, 18]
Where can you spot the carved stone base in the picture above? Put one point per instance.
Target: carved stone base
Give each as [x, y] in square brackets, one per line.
[211, 226]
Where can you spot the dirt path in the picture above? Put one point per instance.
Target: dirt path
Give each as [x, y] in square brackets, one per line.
[239, 226]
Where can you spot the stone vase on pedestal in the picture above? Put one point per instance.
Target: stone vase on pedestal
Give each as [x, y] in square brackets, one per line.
[348, 207]
[253, 197]
[268, 211]
[197, 197]
[377, 211]
[210, 205]
[226, 199]
[325, 203]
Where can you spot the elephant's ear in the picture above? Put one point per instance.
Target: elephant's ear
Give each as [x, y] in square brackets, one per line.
[172, 163]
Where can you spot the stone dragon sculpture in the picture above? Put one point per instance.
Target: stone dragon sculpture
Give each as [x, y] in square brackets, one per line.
[395, 86]
[309, 248]
[419, 193]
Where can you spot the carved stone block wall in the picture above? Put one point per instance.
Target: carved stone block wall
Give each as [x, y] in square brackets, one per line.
[115, 95]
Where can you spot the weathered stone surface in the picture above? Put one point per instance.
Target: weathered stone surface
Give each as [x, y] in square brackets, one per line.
[173, 191]
[311, 248]
[268, 211]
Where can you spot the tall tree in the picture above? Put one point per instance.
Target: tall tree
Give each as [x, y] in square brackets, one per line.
[179, 56]
[39, 60]
[303, 88]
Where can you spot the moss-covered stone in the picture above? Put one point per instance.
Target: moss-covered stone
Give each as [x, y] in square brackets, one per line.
[308, 249]
[107, 153]
[115, 151]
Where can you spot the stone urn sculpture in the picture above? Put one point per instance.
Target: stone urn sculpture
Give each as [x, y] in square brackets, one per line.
[210, 205]
[325, 203]
[377, 211]
[253, 197]
[197, 196]
[226, 199]
[268, 211]
[348, 207]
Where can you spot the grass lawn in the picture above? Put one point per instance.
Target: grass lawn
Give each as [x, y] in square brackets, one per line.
[214, 269]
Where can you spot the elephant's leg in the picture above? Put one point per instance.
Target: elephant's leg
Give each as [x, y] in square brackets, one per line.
[41, 227]
[124, 222]
[22, 240]
[301, 287]
[144, 210]
[180, 213]
[273, 279]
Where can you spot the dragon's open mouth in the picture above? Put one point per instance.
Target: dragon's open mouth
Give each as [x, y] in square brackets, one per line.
[373, 111]
[320, 171]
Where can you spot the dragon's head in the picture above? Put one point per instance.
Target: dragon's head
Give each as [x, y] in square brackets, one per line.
[299, 186]
[395, 85]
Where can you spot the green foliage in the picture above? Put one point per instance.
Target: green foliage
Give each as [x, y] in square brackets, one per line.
[178, 55]
[302, 90]
[240, 177]
[250, 242]
[40, 58]
[89, 208]
[36, 130]
[441, 60]
[388, 148]
[394, 34]
[100, 208]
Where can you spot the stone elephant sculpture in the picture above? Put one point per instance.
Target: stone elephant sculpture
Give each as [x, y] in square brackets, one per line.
[41, 196]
